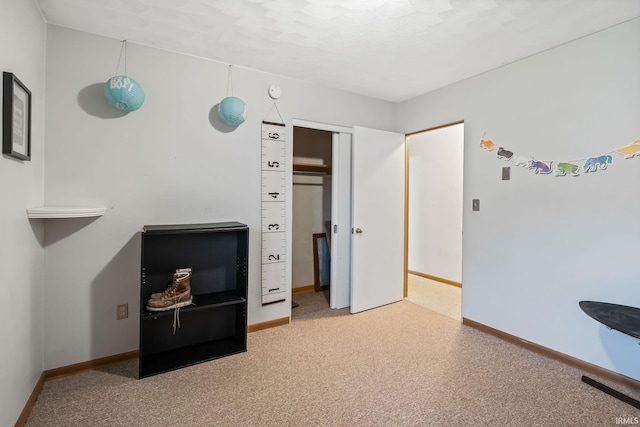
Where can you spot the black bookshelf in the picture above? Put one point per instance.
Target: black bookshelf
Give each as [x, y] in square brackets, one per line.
[215, 324]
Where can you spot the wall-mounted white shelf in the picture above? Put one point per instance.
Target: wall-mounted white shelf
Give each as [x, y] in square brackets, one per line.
[64, 212]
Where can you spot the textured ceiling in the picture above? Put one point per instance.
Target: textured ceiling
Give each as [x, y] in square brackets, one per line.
[387, 49]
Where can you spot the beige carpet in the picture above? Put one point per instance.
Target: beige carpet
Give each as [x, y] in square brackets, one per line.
[436, 296]
[393, 366]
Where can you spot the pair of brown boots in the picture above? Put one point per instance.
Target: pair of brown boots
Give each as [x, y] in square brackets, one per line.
[178, 294]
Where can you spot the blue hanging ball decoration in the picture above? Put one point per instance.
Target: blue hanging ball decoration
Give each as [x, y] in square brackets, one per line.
[232, 110]
[124, 93]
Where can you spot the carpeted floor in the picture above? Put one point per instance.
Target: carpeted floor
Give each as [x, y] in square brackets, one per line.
[436, 296]
[397, 365]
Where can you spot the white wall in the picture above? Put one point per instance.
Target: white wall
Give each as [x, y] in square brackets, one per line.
[172, 161]
[435, 202]
[307, 220]
[22, 52]
[540, 243]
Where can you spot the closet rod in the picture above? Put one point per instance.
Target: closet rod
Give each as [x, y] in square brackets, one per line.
[310, 173]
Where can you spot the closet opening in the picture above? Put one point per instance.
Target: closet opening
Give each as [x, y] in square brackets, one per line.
[311, 219]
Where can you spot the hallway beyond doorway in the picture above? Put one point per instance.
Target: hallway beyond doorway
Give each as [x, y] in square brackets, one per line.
[435, 296]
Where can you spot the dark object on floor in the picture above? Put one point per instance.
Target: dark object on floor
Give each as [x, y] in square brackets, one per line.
[294, 304]
[620, 318]
[615, 393]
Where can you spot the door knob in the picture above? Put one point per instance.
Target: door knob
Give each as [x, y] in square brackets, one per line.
[358, 231]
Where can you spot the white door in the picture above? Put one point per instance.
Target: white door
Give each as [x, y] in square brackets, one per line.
[377, 247]
[340, 220]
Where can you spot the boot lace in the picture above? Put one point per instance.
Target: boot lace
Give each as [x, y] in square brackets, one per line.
[176, 319]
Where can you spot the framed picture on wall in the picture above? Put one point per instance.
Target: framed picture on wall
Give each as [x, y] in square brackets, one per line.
[16, 117]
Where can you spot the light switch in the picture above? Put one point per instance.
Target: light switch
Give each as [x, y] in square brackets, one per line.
[506, 173]
[476, 204]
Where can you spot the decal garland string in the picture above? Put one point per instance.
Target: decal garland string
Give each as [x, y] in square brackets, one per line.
[562, 167]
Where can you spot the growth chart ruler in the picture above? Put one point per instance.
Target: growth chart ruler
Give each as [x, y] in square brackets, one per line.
[274, 210]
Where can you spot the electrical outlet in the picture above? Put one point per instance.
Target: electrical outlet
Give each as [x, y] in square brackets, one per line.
[123, 311]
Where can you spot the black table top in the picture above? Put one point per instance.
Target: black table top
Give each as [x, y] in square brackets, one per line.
[615, 316]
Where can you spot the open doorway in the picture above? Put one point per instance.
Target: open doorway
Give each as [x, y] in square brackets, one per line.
[311, 218]
[434, 218]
